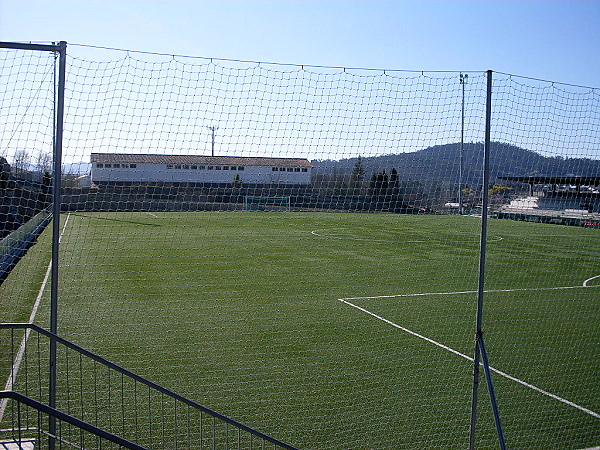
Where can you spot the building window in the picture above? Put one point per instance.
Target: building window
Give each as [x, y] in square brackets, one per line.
[107, 165]
[194, 167]
[225, 167]
[186, 166]
[274, 169]
[100, 165]
[169, 166]
[240, 167]
[116, 166]
[217, 167]
[210, 167]
[304, 169]
[296, 169]
[282, 169]
[178, 166]
[290, 169]
[201, 167]
[133, 166]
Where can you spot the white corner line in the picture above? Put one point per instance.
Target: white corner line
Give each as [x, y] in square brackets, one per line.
[468, 358]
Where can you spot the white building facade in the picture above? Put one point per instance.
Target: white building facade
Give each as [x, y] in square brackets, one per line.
[131, 168]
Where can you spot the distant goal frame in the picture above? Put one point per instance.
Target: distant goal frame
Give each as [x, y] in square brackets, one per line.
[267, 203]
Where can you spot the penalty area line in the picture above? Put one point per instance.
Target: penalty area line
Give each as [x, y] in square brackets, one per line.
[488, 291]
[467, 357]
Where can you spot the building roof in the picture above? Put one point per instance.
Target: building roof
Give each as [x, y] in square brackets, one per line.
[110, 158]
[575, 181]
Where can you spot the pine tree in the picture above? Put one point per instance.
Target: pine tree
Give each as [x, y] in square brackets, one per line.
[394, 184]
[358, 172]
[378, 189]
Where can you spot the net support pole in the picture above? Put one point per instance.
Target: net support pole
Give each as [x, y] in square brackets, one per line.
[56, 205]
[463, 80]
[480, 352]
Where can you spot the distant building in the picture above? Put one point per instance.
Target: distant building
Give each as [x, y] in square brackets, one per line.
[130, 168]
[558, 193]
[567, 200]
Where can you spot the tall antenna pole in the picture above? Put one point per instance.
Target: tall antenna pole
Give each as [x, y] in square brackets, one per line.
[463, 81]
[212, 130]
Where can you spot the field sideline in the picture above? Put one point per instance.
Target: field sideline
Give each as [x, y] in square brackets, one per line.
[319, 328]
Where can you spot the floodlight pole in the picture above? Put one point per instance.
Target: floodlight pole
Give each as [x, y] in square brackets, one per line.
[212, 130]
[463, 81]
[480, 352]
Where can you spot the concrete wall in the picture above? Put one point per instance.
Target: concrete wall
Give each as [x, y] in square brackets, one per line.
[200, 173]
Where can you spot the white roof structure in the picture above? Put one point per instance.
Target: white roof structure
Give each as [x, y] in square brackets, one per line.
[193, 159]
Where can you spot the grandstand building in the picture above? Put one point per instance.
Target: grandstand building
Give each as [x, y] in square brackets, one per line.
[568, 200]
[133, 168]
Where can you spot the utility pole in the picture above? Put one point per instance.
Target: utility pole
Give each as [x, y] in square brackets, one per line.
[212, 130]
[463, 81]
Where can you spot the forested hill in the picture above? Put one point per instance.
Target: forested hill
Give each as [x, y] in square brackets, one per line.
[440, 164]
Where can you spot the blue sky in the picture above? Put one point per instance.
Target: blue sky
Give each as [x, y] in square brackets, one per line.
[553, 40]
[550, 40]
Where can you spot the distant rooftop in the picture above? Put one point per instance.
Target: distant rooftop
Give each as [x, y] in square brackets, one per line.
[194, 159]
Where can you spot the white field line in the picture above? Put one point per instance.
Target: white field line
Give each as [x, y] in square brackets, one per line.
[19, 356]
[462, 355]
[353, 238]
[422, 294]
[406, 330]
[585, 283]
[153, 215]
[420, 241]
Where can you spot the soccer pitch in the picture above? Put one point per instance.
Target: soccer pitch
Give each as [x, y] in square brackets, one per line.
[332, 330]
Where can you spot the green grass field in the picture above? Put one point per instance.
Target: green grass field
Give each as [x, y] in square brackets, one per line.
[241, 312]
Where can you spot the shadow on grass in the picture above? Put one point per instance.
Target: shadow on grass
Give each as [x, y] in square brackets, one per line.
[112, 219]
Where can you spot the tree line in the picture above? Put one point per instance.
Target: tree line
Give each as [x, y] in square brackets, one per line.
[23, 193]
[382, 190]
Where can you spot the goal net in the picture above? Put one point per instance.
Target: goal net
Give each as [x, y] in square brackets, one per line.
[349, 321]
[271, 204]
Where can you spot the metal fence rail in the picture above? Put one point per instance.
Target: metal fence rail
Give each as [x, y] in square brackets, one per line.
[109, 397]
[29, 424]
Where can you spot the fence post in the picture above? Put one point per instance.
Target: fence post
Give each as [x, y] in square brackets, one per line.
[479, 341]
[56, 204]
